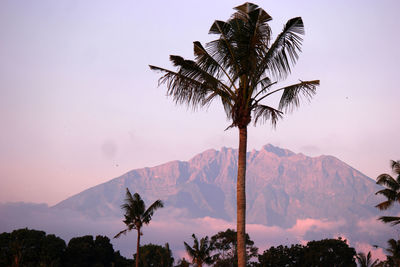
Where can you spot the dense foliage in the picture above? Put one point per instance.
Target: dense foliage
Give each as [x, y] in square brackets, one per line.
[33, 248]
[155, 256]
[327, 252]
[25, 247]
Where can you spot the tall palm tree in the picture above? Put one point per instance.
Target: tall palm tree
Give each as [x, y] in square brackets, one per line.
[200, 252]
[366, 261]
[391, 192]
[136, 215]
[241, 68]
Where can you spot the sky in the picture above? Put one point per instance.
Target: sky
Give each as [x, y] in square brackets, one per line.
[80, 106]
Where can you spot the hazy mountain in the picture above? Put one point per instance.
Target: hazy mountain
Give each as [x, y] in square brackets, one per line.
[281, 187]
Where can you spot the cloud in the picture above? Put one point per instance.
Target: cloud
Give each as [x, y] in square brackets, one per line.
[171, 225]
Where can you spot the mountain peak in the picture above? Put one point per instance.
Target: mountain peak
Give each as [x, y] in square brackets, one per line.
[278, 151]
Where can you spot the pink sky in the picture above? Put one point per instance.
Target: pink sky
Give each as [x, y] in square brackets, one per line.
[79, 105]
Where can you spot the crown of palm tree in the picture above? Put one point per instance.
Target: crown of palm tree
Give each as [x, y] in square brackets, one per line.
[391, 192]
[240, 68]
[366, 261]
[136, 213]
[200, 251]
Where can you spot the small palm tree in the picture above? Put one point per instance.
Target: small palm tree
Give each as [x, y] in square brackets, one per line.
[136, 215]
[366, 261]
[200, 252]
[391, 192]
[240, 68]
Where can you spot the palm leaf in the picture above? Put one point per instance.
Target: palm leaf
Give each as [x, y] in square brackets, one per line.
[384, 205]
[183, 89]
[388, 181]
[284, 51]
[147, 215]
[395, 166]
[390, 219]
[292, 94]
[265, 113]
[120, 233]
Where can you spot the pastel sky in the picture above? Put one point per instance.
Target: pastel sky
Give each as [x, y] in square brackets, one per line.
[79, 105]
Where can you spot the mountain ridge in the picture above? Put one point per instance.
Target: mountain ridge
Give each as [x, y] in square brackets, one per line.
[282, 187]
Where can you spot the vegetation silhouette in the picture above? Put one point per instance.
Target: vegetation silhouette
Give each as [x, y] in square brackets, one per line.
[241, 68]
[136, 215]
[152, 255]
[225, 248]
[33, 248]
[326, 252]
[391, 192]
[366, 260]
[200, 252]
[393, 259]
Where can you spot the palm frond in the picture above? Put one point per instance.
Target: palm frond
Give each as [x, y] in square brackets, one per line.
[188, 90]
[148, 214]
[189, 250]
[384, 205]
[222, 49]
[247, 8]
[388, 181]
[210, 65]
[390, 219]
[292, 94]
[265, 113]
[284, 51]
[395, 165]
[390, 194]
[120, 233]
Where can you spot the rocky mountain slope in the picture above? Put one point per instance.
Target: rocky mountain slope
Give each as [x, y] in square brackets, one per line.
[281, 187]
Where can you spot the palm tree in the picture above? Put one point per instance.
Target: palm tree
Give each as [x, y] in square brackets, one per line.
[394, 249]
[241, 68]
[200, 252]
[366, 261]
[391, 192]
[136, 215]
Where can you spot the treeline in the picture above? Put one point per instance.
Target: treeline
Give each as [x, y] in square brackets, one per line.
[31, 248]
[26, 247]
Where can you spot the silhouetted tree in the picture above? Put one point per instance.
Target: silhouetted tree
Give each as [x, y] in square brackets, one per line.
[282, 256]
[225, 244]
[155, 256]
[366, 261]
[200, 252]
[86, 251]
[52, 251]
[329, 252]
[241, 68]
[80, 252]
[183, 263]
[136, 215]
[391, 192]
[25, 247]
[34, 248]
[393, 259]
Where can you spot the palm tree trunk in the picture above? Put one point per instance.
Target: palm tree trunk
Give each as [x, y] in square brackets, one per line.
[137, 247]
[241, 198]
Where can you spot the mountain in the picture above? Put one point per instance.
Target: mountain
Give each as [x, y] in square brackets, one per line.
[282, 187]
